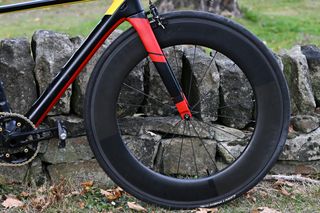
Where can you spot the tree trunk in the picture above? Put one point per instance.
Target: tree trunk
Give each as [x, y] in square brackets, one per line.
[222, 7]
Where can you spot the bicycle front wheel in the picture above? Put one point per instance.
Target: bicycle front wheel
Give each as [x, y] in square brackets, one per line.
[237, 95]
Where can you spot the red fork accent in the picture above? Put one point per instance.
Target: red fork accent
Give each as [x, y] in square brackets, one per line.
[183, 109]
[149, 40]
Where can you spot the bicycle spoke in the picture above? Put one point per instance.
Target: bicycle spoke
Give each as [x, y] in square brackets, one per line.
[223, 146]
[175, 56]
[172, 141]
[205, 96]
[193, 153]
[214, 163]
[191, 73]
[222, 116]
[184, 128]
[138, 105]
[201, 99]
[207, 69]
[164, 136]
[220, 129]
[232, 105]
[228, 106]
[149, 96]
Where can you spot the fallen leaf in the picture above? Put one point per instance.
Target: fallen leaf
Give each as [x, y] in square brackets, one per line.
[264, 210]
[136, 207]
[249, 195]
[289, 184]
[291, 128]
[87, 184]
[284, 192]
[120, 189]
[11, 202]
[24, 194]
[42, 189]
[86, 187]
[279, 183]
[57, 192]
[82, 205]
[74, 193]
[39, 202]
[263, 194]
[112, 194]
[207, 210]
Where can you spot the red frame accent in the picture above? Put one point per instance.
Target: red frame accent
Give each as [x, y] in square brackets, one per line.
[74, 76]
[183, 109]
[149, 40]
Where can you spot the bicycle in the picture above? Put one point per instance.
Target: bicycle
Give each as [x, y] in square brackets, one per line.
[195, 110]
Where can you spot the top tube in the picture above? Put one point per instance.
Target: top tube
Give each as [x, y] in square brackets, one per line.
[33, 4]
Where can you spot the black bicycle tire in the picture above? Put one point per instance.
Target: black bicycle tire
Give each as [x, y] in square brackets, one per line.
[128, 40]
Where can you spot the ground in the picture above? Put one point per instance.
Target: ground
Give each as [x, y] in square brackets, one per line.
[277, 195]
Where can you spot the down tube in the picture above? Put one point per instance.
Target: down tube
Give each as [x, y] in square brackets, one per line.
[71, 70]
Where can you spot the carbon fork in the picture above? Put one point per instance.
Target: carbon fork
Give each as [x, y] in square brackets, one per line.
[142, 25]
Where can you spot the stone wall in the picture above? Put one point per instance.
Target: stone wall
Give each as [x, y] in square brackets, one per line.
[222, 7]
[27, 68]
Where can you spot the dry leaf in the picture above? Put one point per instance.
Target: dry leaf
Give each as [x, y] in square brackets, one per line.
[112, 194]
[249, 195]
[11, 202]
[86, 187]
[24, 194]
[284, 192]
[39, 202]
[207, 210]
[263, 194]
[120, 189]
[264, 210]
[291, 128]
[279, 183]
[74, 193]
[42, 189]
[136, 207]
[87, 184]
[82, 205]
[289, 184]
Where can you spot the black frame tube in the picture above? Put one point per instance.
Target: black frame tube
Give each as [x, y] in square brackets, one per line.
[129, 8]
[59, 82]
[33, 4]
[40, 107]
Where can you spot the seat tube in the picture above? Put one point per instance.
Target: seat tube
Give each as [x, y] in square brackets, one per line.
[142, 25]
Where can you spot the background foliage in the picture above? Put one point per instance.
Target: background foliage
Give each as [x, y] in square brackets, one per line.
[280, 23]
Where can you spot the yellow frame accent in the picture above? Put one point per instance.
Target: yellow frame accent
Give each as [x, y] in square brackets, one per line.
[114, 6]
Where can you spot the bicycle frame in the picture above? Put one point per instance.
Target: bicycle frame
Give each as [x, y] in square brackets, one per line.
[120, 11]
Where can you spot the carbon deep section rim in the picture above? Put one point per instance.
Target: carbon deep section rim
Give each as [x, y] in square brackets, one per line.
[269, 138]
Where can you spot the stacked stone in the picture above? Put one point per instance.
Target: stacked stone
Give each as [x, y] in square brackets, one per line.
[27, 69]
[222, 7]
[302, 150]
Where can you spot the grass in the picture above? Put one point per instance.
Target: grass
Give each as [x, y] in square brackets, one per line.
[280, 23]
[74, 19]
[281, 196]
